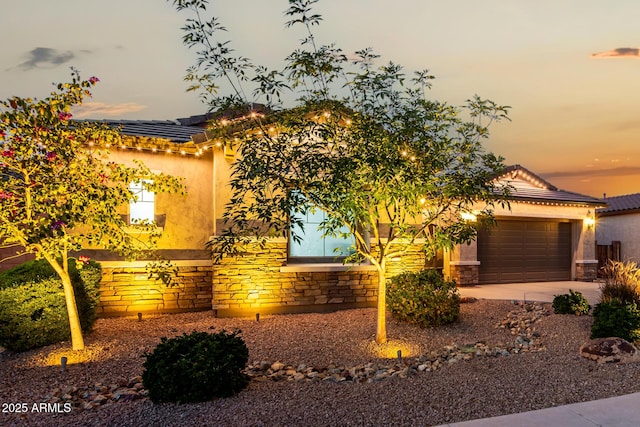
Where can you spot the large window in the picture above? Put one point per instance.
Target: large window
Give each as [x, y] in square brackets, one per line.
[313, 246]
[142, 208]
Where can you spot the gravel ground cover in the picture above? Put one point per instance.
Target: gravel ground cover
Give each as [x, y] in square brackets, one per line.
[507, 378]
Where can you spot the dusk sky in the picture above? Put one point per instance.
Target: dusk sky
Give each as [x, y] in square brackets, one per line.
[570, 69]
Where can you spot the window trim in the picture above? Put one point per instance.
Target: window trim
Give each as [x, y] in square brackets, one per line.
[310, 259]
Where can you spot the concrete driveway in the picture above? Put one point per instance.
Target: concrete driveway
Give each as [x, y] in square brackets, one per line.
[532, 291]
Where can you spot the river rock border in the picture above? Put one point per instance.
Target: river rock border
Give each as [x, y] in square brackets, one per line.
[520, 322]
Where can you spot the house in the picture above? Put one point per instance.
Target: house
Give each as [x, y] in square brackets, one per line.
[546, 235]
[618, 226]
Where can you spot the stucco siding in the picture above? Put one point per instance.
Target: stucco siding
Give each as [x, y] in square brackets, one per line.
[622, 228]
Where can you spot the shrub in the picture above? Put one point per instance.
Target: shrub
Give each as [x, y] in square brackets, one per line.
[571, 303]
[30, 271]
[33, 311]
[196, 367]
[424, 298]
[621, 281]
[615, 319]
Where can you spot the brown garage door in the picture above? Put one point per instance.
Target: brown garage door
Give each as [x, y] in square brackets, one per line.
[525, 251]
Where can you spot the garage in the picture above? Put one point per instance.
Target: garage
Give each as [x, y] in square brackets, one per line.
[525, 251]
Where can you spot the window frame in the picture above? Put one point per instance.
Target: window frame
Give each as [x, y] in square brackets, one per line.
[314, 259]
[137, 188]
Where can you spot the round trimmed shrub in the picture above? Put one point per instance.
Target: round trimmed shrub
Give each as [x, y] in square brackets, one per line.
[196, 367]
[33, 311]
[423, 298]
[616, 319]
[571, 303]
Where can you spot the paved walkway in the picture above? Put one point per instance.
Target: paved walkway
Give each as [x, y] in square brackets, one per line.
[622, 411]
[535, 291]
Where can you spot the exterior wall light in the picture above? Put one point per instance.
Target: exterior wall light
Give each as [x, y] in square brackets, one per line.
[589, 220]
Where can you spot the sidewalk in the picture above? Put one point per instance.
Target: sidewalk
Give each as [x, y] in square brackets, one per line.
[621, 411]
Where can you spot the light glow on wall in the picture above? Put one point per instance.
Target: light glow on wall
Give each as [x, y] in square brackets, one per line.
[469, 216]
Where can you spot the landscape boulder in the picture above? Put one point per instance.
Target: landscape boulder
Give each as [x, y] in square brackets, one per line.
[611, 349]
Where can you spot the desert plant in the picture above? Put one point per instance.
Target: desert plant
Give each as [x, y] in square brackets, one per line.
[32, 305]
[196, 367]
[571, 303]
[616, 319]
[424, 298]
[621, 281]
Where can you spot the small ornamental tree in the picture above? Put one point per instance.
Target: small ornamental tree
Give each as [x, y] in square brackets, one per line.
[58, 192]
[363, 143]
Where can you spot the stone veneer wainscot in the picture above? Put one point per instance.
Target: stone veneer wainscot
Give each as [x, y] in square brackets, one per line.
[261, 281]
[127, 290]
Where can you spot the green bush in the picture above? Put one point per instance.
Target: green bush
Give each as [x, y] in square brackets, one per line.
[30, 271]
[621, 281]
[424, 298]
[615, 319]
[196, 367]
[33, 311]
[571, 303]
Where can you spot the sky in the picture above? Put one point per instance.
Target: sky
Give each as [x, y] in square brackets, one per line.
[569, 69]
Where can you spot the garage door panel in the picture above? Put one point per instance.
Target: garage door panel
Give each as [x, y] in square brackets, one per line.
[519, 251]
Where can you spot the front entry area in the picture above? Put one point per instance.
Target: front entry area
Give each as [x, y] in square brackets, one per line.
[525, 251]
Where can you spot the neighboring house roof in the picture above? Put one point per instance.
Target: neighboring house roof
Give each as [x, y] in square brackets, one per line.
[620, 205]
[529, 187]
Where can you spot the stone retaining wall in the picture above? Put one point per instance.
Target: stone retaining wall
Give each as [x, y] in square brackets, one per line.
[126, 291]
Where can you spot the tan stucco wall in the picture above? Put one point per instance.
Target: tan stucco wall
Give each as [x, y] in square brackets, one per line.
[189, 218]
[622, 228]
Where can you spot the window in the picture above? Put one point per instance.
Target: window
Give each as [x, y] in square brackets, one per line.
[313, 246]
[142, 208]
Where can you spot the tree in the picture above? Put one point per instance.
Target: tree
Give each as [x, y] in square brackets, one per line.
[364, 144]
[57, 190]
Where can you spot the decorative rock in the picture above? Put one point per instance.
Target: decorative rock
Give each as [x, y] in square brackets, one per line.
[424, 367]
[520, 322]
[275, 367]
[612, 349]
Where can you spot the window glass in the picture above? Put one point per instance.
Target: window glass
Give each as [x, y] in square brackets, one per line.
[313, 244]
[143, 207]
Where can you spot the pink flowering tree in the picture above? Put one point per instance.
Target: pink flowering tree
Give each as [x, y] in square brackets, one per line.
[59, 192]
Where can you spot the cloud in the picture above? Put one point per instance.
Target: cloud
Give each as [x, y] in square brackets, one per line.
[621, 52]
[97, 109]
[585, 173]
[45, 57]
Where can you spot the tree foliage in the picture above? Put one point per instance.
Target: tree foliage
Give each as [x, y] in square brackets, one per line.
[362, 142]
[58, 191]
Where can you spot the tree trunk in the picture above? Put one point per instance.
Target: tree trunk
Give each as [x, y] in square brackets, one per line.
[381, 330]
[77, 342]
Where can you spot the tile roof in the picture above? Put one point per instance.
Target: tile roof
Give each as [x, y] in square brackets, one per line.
[527, 186]
[166, 129]
[621, 204]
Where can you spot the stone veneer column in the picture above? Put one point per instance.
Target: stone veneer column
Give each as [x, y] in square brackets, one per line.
[586, 270]
[586, 260]
[464, 273]
[462, 265]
